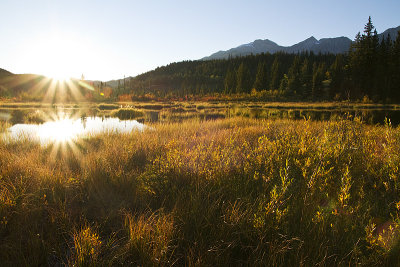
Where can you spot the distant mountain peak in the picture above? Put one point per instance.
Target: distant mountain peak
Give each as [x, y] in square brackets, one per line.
[334, 45]
[307, 43]
[267, 46]
[311, 39]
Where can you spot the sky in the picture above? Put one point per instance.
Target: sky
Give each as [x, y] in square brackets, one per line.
[106, 40]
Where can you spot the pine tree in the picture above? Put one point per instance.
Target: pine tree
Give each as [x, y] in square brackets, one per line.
[337, 73]
[243, 78]
[294, 76]
[230, 81]
[368, 28]
[275, 74]
[382, 73]
[284, 84]
[261, 82]
[363, 61]
[318, 78]
[305, 79]
[395, 69]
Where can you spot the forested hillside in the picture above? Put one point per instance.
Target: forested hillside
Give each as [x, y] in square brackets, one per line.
[370, 71]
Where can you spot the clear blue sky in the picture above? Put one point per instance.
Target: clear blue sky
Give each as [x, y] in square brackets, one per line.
[109, 39]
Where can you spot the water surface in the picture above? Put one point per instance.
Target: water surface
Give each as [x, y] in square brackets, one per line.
[67, 129]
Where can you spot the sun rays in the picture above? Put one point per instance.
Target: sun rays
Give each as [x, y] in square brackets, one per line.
[62, 128]
[65, 130]
[50, 89]
[61, 132]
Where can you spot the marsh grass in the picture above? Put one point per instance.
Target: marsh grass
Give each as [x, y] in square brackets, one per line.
[235, 191]
[127, 113]
[4, 125]
[108, 106]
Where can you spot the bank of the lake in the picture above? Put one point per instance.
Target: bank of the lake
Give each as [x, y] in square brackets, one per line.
[179, 111]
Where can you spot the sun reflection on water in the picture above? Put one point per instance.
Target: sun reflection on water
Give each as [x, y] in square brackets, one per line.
[67, 130]
[60, 130]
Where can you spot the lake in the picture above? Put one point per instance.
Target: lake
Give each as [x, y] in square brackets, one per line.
[66, 129]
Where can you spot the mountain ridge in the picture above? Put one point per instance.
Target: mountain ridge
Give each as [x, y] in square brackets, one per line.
[334, 45]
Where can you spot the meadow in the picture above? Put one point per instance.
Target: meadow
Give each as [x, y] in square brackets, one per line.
[219, 192]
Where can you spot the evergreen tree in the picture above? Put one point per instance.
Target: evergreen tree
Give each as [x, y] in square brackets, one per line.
[275, 74]
[337, 73]
[294, 76]
[318, 78]
[243, 79]
[284, 84]
[305, 78]
[395, 68]
[261, 82]
[230, 81]
[382, 73]
[363, 60]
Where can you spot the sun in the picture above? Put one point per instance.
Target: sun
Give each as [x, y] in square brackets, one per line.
[62, 58]
[59, 56]
[59, 77]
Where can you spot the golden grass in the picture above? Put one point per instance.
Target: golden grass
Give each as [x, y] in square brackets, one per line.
[225, 192]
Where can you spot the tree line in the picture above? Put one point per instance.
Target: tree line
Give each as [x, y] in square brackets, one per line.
[369, 71]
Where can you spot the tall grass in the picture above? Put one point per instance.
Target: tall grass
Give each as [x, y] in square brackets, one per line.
[225, 192]
[127, 113]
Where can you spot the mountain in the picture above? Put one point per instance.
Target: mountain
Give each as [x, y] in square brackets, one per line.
[326, 45]
[256, 47]
[335, 45]
[391, 31]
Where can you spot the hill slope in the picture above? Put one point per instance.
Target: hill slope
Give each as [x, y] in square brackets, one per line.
[4, 73]
[33, 87]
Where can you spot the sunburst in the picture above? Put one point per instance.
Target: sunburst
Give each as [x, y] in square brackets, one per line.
[61, 131]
